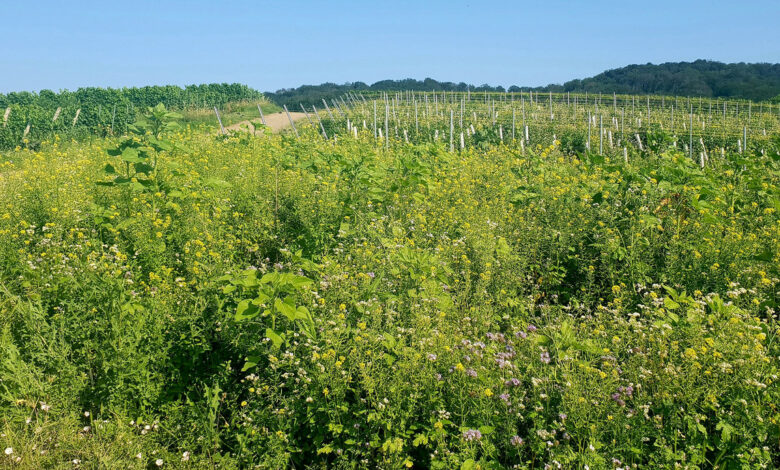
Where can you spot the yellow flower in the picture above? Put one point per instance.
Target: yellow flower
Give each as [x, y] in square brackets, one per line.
[488, 392]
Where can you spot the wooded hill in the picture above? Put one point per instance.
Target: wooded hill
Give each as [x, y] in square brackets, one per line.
[700, 78]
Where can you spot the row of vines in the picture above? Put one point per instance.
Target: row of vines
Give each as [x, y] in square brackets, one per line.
[29, 117]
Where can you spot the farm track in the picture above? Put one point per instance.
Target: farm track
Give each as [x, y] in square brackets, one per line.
[277, 122]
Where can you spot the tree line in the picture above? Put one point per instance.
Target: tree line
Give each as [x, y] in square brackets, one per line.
[699, 78]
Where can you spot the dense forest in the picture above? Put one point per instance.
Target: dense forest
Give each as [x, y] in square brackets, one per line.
[699, 78]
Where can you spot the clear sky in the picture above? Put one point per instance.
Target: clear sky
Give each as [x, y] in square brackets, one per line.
[270, 45]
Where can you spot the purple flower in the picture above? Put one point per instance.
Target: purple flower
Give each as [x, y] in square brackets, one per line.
[531, 328]
[502, 363]
[472, 435]
[545, 357]
[513, 382]
[521, 334]
[516, 441]
[496, 337]
[505, 397]
[431, 357]
[562, 416]
[471, 372]
[618, 400]
[438, 377]
[371, 275]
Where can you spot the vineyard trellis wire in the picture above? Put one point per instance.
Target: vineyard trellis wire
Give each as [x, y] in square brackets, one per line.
[614, 124]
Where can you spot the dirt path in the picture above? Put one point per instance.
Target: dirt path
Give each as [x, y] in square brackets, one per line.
[276, 121]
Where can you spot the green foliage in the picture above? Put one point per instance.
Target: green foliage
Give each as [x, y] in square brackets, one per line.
[698, 78]
[102, 111]
[139, 153]
[275, 302]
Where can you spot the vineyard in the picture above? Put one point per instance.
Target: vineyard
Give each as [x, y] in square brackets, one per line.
[398, 280]
[613, 124]
[29, 118]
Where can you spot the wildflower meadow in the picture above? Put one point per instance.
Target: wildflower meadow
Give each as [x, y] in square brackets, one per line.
[384, 286]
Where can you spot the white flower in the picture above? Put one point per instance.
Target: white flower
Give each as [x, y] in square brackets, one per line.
[185, 456]
[9, 451]
[159, 462]
[139, 456]
[86, 414]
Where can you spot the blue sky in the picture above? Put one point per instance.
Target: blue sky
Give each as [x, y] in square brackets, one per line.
[270, 45]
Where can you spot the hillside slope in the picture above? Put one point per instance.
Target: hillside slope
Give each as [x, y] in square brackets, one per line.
[699, 78]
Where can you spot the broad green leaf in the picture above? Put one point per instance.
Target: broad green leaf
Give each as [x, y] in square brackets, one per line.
[300, 281]
[276, 338]
[130, 155]
[286, 307]
[468, 465]
[251, 362]
[246, 310]
[302, 313]
[262, 298]
[228, 289]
